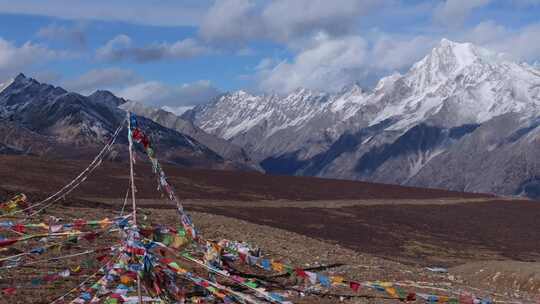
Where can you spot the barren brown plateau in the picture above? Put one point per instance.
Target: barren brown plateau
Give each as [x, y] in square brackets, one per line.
[364, 231]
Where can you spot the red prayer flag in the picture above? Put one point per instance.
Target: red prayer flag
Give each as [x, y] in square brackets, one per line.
[354, 286]
[19, 228]
[145, 142]
[411, 296]
[117, 297]
[156, 288]
[9, 291]
[90, 236]
[78, 224]
[50, 277]
[102, 258]
[136, 251]
[131, 274]
[301, 273]
[8, 242]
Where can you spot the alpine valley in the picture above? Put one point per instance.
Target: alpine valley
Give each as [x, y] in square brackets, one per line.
[462, 118]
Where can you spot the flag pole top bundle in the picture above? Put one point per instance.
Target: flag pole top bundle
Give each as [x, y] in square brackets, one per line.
[165, 264]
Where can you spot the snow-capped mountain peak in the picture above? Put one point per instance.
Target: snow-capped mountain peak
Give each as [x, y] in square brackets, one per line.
[446, 61]
[454, 84]
[241, 94]
[458, 83]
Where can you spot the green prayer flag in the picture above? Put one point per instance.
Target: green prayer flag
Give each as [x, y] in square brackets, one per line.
[167, 239]
[251, 284]
[174, 265]
[111, 301]
[181, 232]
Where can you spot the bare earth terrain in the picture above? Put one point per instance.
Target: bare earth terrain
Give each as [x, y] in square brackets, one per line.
[364, 231]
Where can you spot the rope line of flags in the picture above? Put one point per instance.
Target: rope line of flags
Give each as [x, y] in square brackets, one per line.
[171, 264]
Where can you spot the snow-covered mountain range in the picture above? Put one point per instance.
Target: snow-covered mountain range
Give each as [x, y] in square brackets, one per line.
[462, 118]
[170, 120]
[460, 105]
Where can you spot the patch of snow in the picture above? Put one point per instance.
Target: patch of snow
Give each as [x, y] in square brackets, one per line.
[366, 140]
[422, 160]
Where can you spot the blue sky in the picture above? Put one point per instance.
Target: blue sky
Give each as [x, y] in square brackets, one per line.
[181, 53]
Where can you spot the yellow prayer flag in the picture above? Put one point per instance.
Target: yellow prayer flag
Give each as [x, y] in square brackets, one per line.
[178, 241]
[392, 292]
[337, 279]
[277, 266]
[76, 269]
[126, 279]
[105, 223]
[385, 284]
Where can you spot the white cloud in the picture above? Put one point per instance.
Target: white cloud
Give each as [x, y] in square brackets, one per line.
[161, 13]
[159, 94]
[121, 48]
[233, 21]
[75, 35]
[392, 52]
[289, 19]
[99, 79]
[520, 44]
[328, 64]
[14, 59]
[455, 12]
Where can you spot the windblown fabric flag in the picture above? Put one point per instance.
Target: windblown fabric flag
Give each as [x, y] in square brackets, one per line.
[18, 202]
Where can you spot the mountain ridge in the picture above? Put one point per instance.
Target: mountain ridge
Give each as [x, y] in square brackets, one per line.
[456, 86]
[48, 121]
[172, 121]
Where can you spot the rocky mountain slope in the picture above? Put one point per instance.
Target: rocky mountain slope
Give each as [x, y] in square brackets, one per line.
[305, 121]
[45, 120]
[167, 119]
[462, 118]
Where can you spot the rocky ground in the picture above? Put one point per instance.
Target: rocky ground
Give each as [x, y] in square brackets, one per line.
[489, 245]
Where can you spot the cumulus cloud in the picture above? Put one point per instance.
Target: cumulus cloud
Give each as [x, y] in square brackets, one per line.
[455, 12]
[233, 21]
[98, 79]
[392, 52]
[75, 35]
[520, 44]
[288, 19]
[14, 59]
[329, 63]
[121, 48]
[159, 94]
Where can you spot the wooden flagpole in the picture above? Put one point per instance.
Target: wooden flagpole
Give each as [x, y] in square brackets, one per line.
[132, 182]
